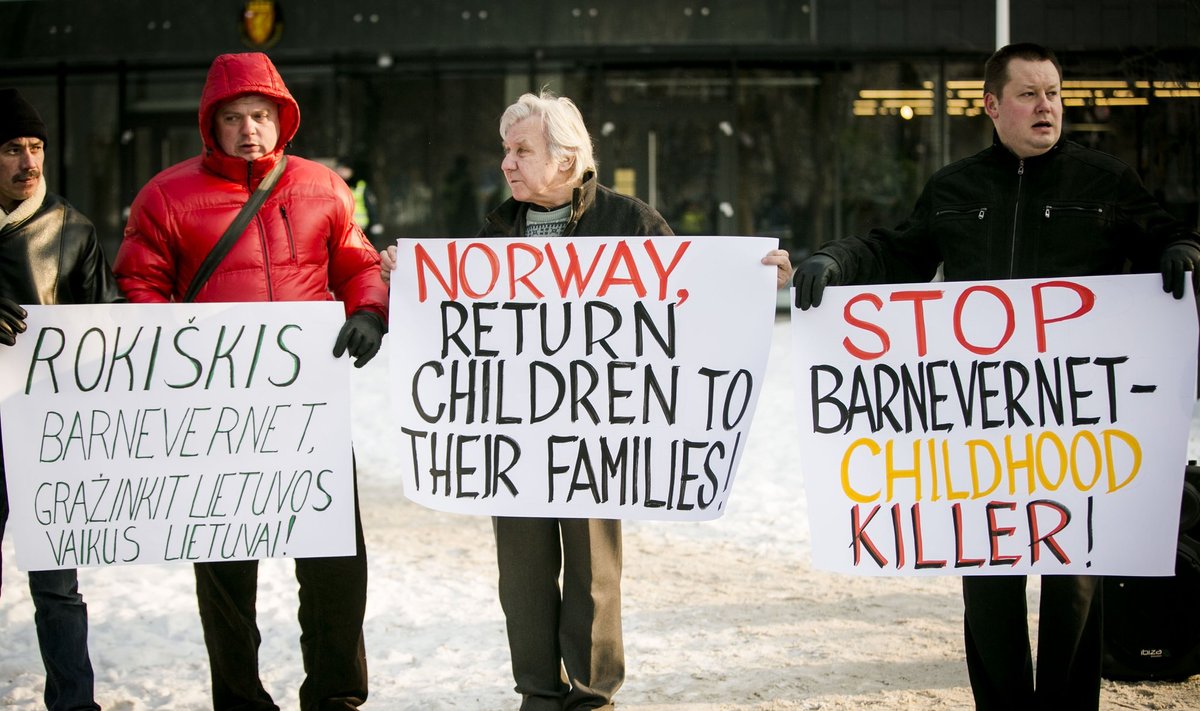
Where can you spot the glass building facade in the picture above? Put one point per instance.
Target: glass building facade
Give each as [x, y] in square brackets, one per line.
[800, 120]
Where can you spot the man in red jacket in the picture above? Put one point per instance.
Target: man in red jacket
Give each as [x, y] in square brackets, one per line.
[302, 245]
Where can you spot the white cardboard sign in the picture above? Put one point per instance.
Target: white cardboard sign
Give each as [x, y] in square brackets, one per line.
[177, 432]
[1023, 426]
[607, 377]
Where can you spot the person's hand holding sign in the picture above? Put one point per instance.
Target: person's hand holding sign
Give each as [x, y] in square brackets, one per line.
[12, 320]
[783, 265]
[387, 263]
[813, 275]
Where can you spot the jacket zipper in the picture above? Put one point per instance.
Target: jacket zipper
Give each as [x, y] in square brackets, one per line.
[287, 226]
[979, 213]
[262, 234]
[1012, 255]
[1073, 208]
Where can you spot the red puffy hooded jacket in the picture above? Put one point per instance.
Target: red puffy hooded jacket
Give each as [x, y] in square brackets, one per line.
[302, 245]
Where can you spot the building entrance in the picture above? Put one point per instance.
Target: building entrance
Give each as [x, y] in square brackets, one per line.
[680, 159]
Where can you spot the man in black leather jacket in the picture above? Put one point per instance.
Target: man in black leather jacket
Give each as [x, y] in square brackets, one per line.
[1031, 205]
[49, 254]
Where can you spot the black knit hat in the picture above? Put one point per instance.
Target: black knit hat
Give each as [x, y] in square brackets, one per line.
[18, 118]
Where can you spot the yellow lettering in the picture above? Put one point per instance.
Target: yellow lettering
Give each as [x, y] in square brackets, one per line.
[1090, 439]
[972, 447]
[1016, 464]
[1053, 439]
[851, 493]
[894, 473]
[1134, 447]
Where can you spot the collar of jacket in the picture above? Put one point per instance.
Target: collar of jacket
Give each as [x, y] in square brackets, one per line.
[26, 208]
[1006, 157]
[239, 170]
[582, 198]
[509, 218]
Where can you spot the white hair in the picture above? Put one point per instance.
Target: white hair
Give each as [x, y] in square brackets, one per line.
[566, 135]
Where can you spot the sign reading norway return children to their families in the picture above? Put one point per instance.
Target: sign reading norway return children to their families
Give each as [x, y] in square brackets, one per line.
[177, 432]
[1024, 426]
[610, 377]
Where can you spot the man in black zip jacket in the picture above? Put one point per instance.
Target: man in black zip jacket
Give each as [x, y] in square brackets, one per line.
[1029, 206]
[49, 254]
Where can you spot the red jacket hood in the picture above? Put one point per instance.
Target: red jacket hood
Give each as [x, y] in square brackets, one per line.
[234, 75]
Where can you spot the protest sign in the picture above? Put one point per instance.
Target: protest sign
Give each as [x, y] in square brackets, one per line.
[177, 432]
[1023, 426]
[602, 377]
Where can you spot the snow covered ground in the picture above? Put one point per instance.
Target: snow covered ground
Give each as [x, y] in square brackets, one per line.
[718, 616]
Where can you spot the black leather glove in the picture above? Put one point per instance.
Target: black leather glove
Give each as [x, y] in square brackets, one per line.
[812, 275]
[12, 320]
[1176, 260]
[361, 335]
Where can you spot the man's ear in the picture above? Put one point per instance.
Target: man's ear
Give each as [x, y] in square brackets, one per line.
[567, 164]
[991, 105]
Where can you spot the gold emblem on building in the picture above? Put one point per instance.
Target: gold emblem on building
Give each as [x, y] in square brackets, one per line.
[262, 23]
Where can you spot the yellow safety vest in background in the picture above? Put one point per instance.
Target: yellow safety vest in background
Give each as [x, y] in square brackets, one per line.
[361, 216]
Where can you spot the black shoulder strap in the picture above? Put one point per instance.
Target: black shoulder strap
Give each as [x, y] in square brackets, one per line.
[235, 230]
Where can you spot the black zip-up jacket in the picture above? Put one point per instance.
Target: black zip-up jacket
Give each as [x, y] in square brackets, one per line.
[596, 211]
[54, 257]
[1071, 211]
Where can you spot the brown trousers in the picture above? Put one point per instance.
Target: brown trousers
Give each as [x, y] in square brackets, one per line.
[566, 646]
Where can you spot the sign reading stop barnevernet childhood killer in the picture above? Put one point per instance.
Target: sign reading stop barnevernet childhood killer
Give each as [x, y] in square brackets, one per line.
[177, 432]
[1025, 426]
[578, 377]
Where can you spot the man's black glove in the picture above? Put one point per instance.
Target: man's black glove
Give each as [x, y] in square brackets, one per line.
[361, 335]
[812, 275]
[12, 320]
[1176, 260]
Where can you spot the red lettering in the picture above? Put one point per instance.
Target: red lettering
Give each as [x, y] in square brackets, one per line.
[1035, 537]
[492, 262]
[918, 543]
[424, 261]
[996, 532]
[918, 299]
[622, 256]
[859, 538]
[884, 341]
[1087, 299]
[1010, 323]
[664, 274]
[898, 533]
[564, 278]
[959, 560]
[513, 279]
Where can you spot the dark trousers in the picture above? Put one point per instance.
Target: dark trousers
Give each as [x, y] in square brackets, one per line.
[1069, 648]
[577, 630]
[60, 617]
[333, 600]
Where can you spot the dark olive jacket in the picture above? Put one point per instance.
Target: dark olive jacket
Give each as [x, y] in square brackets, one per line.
[54, 257]
[1071, 211]
[596, 211]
